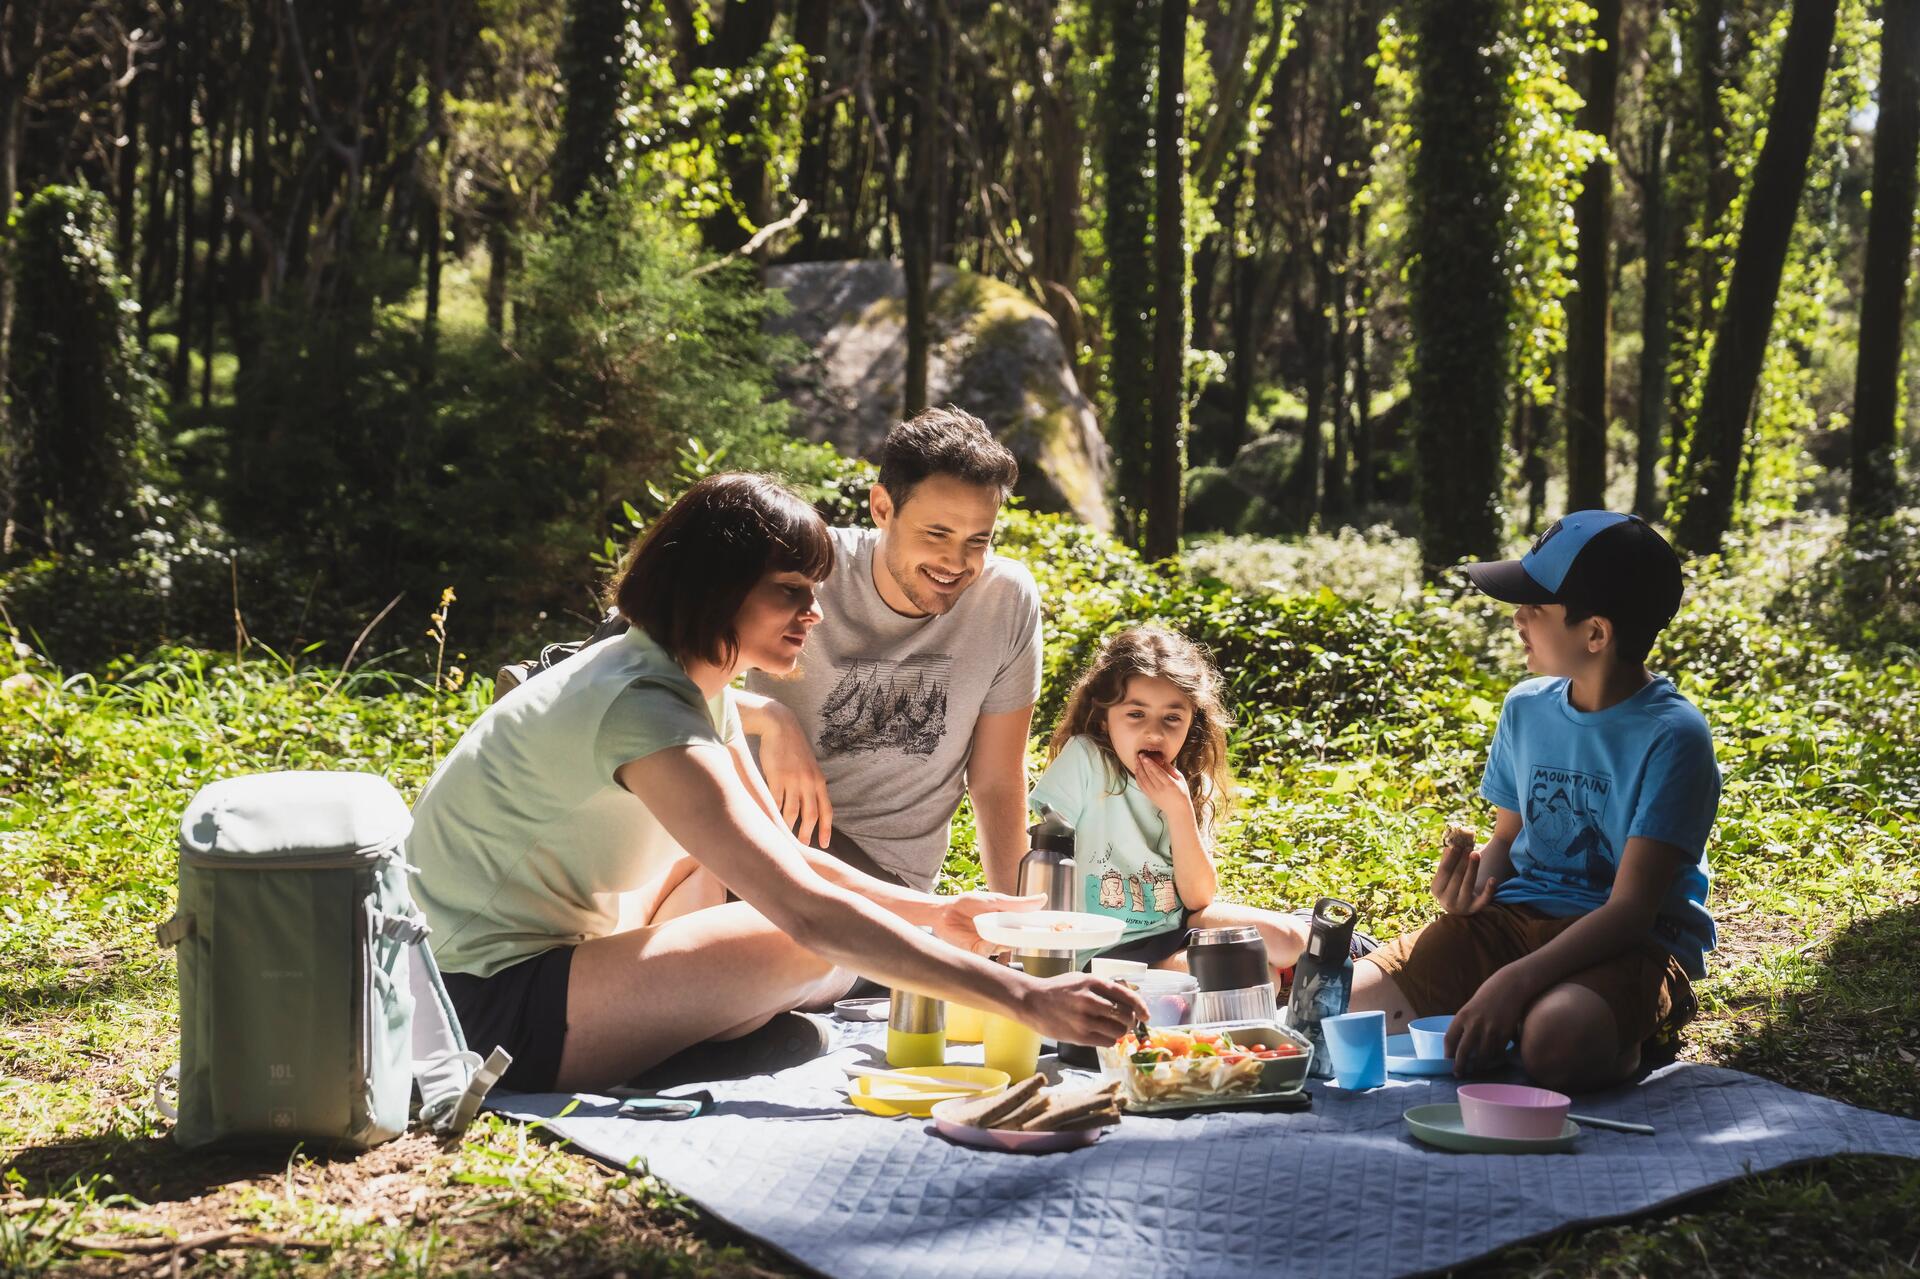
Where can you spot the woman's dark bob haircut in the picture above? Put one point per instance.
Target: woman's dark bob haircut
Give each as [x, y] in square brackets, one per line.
[684, 579]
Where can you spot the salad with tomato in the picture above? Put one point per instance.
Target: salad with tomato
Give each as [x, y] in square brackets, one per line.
[1175, 1064]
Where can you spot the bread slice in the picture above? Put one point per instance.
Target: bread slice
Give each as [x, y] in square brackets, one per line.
[1065, 1108]
[1017, 1120]
[982, 1112]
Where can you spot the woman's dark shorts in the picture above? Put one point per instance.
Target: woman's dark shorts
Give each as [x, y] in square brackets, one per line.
[522, 1009]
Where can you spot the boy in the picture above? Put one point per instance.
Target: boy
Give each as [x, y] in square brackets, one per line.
[1575, 929]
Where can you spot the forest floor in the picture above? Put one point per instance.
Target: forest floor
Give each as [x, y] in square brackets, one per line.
[1816, 984]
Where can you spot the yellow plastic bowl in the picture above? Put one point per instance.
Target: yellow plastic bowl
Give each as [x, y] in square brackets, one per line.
[887, 1099]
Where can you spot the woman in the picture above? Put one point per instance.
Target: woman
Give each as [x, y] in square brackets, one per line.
[572, 846]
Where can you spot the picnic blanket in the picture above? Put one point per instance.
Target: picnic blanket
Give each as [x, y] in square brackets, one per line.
[1341, 1190]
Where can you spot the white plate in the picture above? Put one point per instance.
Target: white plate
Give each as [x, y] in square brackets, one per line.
[862, 1009]
[1049, 929]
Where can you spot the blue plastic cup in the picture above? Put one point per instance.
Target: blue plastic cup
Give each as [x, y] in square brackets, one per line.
[1357, 1042]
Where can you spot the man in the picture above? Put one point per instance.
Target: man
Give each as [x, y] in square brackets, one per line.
[921, 680]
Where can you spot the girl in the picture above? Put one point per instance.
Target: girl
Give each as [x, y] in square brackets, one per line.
[1139, 766]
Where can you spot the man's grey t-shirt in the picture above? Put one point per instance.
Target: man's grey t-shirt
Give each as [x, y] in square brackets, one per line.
[890, 702]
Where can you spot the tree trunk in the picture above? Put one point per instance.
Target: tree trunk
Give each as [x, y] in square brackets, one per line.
[1740, 340]
[1589, 316]
[813, 28]
[593, 63]
[1129, 263]
[1170, 286]
[917, 217]
[1362, 381]
[1876, 395]
[1458, 295]
[1655, 291]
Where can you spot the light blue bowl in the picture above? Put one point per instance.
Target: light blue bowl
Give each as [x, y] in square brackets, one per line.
[1429, 1036]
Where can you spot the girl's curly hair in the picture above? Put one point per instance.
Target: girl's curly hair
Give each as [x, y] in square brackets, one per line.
[1149, 652]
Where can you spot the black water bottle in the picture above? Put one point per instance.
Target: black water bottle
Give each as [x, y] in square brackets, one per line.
[1323, 979]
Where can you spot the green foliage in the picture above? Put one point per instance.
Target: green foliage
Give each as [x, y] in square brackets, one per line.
[80, 400]
[1363, 727]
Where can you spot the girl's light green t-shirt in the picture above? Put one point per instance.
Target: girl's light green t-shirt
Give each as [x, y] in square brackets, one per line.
[522, 837]
[1122, 849]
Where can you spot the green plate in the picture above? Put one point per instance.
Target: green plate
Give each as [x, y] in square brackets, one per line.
[1440, 1125]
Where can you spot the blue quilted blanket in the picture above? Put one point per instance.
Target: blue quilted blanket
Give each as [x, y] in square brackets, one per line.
[1341, 1190]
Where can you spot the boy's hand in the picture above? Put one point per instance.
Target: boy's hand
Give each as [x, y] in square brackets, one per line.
[1477, 1039]
[1456, 884]
[1163, 784]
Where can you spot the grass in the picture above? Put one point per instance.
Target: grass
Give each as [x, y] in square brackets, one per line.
[1363, 726]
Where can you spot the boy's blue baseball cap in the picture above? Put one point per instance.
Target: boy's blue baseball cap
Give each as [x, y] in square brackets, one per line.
[1602, 563]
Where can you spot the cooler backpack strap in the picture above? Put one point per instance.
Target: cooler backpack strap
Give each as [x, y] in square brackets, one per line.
[452, 1081]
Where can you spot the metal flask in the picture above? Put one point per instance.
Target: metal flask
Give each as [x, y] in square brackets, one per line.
[1231, 966]
[1048, 868]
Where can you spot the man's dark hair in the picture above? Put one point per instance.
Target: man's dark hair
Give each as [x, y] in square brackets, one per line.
[946, 441]
[1630, 576]
[685, 578]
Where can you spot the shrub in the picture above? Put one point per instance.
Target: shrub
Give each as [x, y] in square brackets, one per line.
[80, 398]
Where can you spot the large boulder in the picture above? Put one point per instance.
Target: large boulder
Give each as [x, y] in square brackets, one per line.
[994, 353]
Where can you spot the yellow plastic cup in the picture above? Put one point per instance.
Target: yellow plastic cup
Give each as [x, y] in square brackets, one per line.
[1011, 1047]
[965, 1025]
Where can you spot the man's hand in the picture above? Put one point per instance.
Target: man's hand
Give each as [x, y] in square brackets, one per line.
[1457, 884]
[794, 778]
[1477, 1040]
[953, 922]
[1164, 784]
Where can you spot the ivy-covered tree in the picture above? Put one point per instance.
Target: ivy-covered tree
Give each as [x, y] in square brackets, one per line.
[1458, 295]
[1127, 144]
[80, 395]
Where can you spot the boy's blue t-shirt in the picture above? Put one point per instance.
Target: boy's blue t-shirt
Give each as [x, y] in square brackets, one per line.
[1122, 849]
[1585, 782]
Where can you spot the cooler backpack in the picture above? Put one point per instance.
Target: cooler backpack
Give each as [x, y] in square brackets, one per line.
[310, 1006]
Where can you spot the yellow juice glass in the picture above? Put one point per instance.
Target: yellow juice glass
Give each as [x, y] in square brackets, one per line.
[965, 1025]
[1011, 1047]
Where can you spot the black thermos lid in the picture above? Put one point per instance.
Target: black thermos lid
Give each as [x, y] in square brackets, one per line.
[1052, 832]
[1332, 935]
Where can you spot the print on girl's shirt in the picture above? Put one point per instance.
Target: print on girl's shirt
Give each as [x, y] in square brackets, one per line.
[1144, 898]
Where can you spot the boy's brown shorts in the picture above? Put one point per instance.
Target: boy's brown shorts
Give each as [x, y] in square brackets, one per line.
[1440, 967]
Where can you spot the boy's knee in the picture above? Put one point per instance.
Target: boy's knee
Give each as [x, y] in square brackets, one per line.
[1568, 1042]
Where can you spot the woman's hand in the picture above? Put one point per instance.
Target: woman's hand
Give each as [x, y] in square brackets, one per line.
[794, 778]
[953, 918]
[1457, 884]
[1164, 785]
[1076, 1008]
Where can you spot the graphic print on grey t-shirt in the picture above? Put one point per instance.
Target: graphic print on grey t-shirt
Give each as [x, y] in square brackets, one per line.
[884, 704]
[1566, 832]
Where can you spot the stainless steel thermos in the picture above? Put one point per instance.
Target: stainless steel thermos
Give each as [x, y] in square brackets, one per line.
[1231, 966]
[1048, 868]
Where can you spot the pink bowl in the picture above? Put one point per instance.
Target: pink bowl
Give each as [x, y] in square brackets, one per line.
[1512, 1110]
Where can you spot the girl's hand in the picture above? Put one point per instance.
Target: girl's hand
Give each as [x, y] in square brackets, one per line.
[1164, 785]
